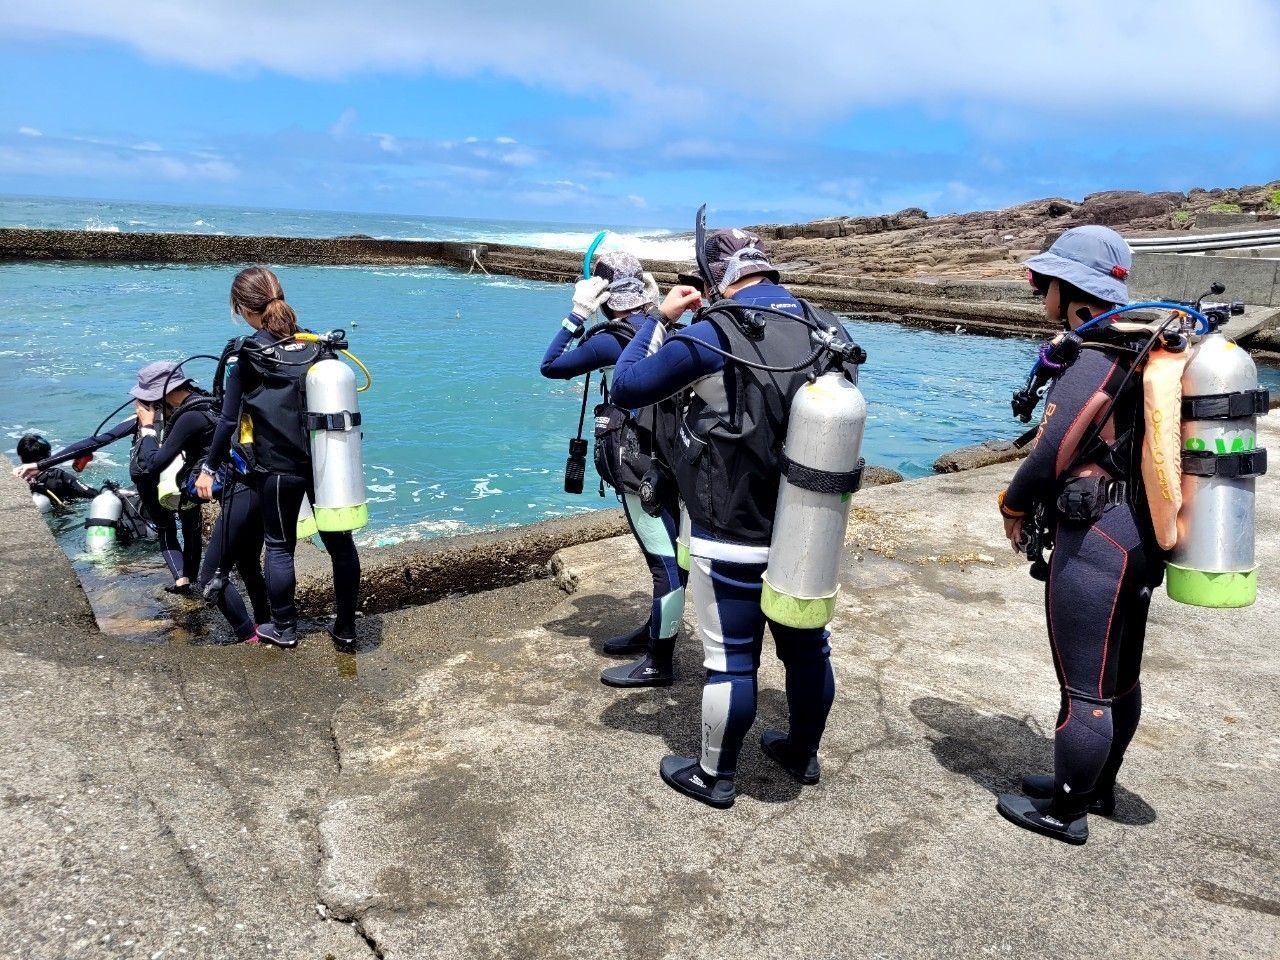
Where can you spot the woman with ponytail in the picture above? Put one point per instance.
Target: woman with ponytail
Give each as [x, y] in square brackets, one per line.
[265, 377]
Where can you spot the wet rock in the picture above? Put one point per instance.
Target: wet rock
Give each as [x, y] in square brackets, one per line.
[879, 476]
[978, 455]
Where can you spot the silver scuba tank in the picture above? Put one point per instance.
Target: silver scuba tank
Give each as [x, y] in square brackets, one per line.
[306, 520]
[682, 539]
[42, 502]
[821, 470]
[1213, 562]
[167, 491]
[100, 527]
[333, 420]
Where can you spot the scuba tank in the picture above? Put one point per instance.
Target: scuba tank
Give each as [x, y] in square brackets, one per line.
[100, 527]
[306, 520]
[821, 468]
[337, 460]
[682, 539]
[1213, 564]
[42, 502]
[168, 492]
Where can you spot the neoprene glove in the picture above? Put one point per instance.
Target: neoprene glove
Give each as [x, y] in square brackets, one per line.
[588, 296]
[651, 291]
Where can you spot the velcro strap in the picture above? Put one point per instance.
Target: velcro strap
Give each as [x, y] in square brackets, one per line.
[346, 420]
[91, 522]
[1203, 463]
[1226, 406]
[822, 481]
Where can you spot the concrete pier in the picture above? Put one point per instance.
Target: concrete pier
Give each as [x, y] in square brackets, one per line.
[466, 787]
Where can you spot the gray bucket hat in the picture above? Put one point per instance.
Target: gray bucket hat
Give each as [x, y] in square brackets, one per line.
[733, 255]
[1095, 259]
[626, 280]
[157, 379]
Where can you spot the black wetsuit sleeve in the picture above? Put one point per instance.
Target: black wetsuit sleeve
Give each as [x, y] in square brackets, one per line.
[63, 485]
[154, 457]
[228, 419]
[1071, 408]
[90, 444]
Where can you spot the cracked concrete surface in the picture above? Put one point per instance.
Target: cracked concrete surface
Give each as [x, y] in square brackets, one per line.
[466, 787]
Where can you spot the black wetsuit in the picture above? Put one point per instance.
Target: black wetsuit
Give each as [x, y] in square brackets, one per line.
[1101, 574]
[237, 533]
[59, 483]
[181, 556]
[281, 477]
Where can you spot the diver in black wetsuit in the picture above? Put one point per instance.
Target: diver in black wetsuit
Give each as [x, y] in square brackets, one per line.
[53, 482]
[265, 376]
[1105, 562]
[630, 444]
[190, 419]
[181, 555]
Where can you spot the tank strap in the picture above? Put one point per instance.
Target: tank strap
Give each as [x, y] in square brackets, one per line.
[94, 522]
[1226, 406]
[346, 420]
[1205, 463]
[822, 481]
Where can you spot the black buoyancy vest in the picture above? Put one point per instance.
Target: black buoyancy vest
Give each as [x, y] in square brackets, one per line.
[273, 380]
[728, 467]
[200, 405]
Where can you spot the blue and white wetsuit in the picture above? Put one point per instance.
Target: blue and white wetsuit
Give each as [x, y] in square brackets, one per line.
[725, 577]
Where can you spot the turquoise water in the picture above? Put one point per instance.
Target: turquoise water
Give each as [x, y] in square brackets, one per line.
[461, 431]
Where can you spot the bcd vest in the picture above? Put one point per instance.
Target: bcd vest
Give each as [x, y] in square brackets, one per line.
[273, 380]
[728, 466]
[201, 405]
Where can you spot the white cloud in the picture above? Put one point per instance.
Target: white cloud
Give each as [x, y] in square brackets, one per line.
[30, 132]
[106, 162]
[346, 120]
[1107, 58]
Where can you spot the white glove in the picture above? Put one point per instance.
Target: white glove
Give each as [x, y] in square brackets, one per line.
[588, 296]
[651, 291]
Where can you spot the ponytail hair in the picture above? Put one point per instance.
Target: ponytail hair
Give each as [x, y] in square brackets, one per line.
[258, 291]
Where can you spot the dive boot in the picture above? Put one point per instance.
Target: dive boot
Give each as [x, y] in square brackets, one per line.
[645, 672]
[1039, 816]
[343, 641]
[1040, 787]
[637, 641]
[777, 747]
[286, 638]
[685, 774]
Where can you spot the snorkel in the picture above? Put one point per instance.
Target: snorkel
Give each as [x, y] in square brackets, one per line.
[699, 251]
[591, 252]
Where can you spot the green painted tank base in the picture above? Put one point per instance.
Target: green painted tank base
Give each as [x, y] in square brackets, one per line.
[341, 519]
[799, 612]
[1201, 589]
[682, 556]
[306, 527]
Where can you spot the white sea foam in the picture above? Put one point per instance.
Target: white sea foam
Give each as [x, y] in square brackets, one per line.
[98, 225]
[658, 245]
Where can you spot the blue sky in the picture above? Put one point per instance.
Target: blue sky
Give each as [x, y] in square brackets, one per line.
[634, 114]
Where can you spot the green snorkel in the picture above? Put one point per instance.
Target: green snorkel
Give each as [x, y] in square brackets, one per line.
[591, 252]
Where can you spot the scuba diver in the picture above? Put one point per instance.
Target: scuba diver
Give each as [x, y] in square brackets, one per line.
[265, 379]
[181, 555]
[629, 455]
[55, 484]
[1081, 489]
[190, 417]
[729, 469]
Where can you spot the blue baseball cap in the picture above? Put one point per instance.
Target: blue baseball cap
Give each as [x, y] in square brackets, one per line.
[1095, 259]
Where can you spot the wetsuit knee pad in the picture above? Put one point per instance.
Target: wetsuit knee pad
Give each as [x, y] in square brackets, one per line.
[1083, 742]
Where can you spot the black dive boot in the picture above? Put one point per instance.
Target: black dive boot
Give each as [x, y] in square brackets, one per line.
[685, 775]
[654, 669]
[344, 641]
[286, 638]
[1052, 817]
[637, 641]
[777, 747]
[1040, 787]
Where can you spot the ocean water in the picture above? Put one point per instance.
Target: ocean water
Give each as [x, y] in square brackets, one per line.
[126, 217]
